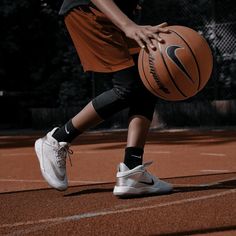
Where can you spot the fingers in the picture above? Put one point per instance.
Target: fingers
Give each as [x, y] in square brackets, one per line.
[144, 44]
[145, 34]
[152, 33]
[160, 28]
[159, 39]
[140, 42]
[143, 38]
[164, 24]
[146, 37]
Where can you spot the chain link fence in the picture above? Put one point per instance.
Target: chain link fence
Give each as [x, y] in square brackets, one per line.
[62, 80]
[215, 105]
[216, 20]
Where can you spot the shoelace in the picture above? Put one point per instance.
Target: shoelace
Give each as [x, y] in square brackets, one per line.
[62, 153]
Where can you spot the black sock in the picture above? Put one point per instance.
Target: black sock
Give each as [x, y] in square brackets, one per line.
[66, 133]
[133, 157]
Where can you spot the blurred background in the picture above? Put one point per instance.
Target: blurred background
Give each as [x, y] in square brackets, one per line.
[42, 83]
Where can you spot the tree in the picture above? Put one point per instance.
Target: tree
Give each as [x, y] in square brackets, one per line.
[36, 53]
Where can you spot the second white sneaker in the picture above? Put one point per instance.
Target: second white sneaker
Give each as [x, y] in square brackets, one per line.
[52, 159]
[138, 182]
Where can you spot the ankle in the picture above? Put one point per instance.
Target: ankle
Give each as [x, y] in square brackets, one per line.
[66, 133]
[133, 157]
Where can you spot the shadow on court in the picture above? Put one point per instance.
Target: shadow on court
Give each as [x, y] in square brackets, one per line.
[200, 231]
[224, 184]
[229, 184]
[89, 191]
[183, 212]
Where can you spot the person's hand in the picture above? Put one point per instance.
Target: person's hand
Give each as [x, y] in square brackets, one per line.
[144, 35]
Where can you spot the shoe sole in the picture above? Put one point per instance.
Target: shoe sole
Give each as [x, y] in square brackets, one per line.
[38, 147]
[131, 191]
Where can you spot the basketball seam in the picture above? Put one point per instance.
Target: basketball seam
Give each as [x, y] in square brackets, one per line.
[155, 76]
[198, 70]
[172, 79]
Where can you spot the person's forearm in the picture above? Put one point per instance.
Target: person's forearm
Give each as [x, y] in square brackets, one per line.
[142, 34]
[113, 12]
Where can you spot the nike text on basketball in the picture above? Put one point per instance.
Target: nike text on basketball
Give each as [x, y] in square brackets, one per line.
[155, 76]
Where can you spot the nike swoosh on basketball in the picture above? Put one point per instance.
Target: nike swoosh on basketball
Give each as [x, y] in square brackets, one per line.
[171, 53]
[58, 175]
[148, 183]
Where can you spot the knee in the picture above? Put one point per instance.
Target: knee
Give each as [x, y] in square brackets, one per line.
[123, 93]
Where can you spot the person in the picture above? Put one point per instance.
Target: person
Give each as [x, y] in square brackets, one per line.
[108, 40]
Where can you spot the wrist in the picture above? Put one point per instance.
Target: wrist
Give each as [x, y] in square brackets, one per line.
[126, 26]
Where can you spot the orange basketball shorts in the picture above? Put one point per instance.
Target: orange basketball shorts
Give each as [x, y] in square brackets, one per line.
[101, 46]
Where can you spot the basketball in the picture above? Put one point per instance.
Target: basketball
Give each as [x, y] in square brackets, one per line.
[179, 68]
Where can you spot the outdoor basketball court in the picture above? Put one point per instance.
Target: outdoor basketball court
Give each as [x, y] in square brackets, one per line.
[200, 164]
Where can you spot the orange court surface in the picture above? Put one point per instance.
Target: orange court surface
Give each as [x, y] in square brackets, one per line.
[201, 164]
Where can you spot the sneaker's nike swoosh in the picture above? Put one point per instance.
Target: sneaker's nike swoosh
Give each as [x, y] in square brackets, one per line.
[137, 156]
[66, 130]
[148, 183]
[58, 175]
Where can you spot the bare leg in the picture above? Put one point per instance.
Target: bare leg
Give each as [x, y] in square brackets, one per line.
[137, 131]
[87, 118]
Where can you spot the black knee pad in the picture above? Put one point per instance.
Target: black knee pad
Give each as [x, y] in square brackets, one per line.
[112, 101]
[109, 103]
[128, 91]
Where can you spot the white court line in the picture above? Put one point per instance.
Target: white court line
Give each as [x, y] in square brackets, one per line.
[113, 212]
[213, 154]
[41, 181]
[216, 171]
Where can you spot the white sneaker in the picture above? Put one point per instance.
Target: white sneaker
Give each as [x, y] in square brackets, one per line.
[138, 182]
[52, 159]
